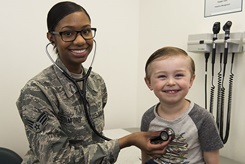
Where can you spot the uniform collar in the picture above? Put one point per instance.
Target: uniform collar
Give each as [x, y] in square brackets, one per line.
[68, 86]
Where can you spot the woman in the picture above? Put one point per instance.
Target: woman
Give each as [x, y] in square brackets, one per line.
[52, 109]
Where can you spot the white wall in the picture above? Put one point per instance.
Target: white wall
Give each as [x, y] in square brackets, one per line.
[128, 32]
[165, 23]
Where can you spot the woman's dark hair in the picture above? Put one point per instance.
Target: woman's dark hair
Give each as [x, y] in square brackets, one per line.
[60, 10]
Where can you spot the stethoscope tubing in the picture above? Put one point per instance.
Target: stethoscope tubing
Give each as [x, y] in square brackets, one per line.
[82, 93]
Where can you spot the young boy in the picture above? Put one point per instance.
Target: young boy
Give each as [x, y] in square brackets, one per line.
[170, 73]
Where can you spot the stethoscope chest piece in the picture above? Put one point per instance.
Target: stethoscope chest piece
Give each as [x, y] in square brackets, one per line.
[164, 136]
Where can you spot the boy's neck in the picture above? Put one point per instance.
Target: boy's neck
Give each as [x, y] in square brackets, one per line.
[172, 112]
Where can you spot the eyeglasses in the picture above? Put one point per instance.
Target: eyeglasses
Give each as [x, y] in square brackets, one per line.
[70, 36]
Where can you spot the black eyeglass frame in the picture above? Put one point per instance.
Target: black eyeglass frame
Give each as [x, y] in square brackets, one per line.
[81, 33]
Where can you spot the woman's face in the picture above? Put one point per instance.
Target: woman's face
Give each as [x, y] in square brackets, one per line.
[72, 54]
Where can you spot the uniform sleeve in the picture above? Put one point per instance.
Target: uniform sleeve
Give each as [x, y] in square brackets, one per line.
[48, 142]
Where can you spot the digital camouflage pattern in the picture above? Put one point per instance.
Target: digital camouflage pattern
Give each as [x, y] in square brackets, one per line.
[55, 123]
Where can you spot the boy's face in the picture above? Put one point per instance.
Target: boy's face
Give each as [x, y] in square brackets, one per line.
[170, 78]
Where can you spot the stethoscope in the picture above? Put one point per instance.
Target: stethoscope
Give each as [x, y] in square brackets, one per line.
[82, 93]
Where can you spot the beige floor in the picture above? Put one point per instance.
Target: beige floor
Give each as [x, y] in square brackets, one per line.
[224, 160]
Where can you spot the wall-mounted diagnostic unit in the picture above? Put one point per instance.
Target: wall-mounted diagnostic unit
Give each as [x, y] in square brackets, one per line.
[223, 44]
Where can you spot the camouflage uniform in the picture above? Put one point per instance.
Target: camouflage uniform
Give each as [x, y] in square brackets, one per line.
[55, 123]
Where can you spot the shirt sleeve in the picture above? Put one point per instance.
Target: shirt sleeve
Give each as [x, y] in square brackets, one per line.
[146, 119]
[47, 139]
[208, 134]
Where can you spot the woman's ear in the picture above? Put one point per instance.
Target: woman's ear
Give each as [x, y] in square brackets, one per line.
[50, 37]
[148, 83]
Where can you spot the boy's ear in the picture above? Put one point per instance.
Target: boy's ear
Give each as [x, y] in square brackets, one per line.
[148, 83]
[192, 80]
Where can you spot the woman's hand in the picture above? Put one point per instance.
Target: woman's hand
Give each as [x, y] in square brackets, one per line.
[143, 142]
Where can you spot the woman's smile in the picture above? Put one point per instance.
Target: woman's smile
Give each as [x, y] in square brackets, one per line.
[80, 52]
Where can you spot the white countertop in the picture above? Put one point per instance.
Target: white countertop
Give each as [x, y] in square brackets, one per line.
[130, 155]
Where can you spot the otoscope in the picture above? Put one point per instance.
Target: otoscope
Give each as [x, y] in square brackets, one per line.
[216, 29]
[226, 29]
[229, 103]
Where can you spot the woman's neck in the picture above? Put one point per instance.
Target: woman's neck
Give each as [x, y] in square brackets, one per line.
[76, 70]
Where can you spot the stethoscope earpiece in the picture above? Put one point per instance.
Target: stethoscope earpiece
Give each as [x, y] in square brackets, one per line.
[52, 42]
